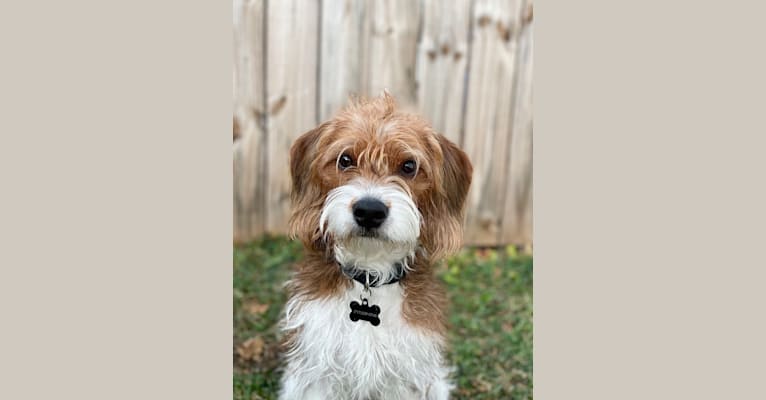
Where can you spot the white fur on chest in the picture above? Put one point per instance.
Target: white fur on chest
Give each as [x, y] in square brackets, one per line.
[336, 358]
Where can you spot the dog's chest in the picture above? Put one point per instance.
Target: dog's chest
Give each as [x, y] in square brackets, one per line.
[357, 353]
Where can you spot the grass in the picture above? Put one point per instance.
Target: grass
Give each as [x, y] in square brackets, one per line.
[490, 313]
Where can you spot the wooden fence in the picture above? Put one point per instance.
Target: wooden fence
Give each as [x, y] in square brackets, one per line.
[466, 65]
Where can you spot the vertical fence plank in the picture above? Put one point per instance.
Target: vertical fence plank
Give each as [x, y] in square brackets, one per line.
[249, 94]
[292, 92]
[517, 215]
[391, 42]
[488, 114]
[368, 46]
[441, 64]
[340, 72]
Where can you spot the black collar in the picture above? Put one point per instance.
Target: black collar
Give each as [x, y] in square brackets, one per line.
[359, 275]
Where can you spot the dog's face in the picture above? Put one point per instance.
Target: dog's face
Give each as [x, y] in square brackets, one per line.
[379, 180]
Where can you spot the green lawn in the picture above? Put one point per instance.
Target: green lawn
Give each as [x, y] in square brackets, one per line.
[491, 316]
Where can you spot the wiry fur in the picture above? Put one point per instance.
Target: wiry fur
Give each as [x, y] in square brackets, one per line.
[334, 358]
[398, 235]
[328, 355]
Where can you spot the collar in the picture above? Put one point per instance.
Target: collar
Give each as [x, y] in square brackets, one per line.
[361, 276]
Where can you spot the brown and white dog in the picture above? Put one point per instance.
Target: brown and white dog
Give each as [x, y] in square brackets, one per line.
[378, 198]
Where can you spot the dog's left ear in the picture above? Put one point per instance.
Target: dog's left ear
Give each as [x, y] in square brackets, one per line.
[448, 210]
[457, 174]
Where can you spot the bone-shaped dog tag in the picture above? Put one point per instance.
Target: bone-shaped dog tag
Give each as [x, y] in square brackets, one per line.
[365, 312]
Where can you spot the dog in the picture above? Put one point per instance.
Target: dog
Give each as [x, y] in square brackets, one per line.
[378, 199]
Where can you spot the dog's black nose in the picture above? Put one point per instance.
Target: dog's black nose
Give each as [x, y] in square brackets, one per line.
[370, 213]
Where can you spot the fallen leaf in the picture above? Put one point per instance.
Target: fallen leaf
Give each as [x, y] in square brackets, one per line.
[251, 349]
[481, 384]
[256, 308]
[482, 253]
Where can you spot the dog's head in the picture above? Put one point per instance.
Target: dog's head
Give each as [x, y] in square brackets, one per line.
[376, 182]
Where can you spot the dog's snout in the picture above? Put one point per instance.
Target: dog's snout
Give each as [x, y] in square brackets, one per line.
[370, 213]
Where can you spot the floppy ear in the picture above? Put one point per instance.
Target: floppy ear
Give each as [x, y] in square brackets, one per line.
[301, 153]
[456, 176]
[305, 195]
[448, 210]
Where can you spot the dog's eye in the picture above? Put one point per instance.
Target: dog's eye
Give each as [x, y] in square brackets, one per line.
[345, 161]
[409, 167]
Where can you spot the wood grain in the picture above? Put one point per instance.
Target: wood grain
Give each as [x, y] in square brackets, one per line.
[292, 92]
[249, 101]
[441, 65]
[341, 55]
[391, 43]
[517, 212]
[488, 111]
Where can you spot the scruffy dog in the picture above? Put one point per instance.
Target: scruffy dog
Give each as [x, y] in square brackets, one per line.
[377, 200]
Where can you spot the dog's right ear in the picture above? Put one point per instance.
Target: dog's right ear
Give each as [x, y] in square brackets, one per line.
[302, 153]
[305, 195]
